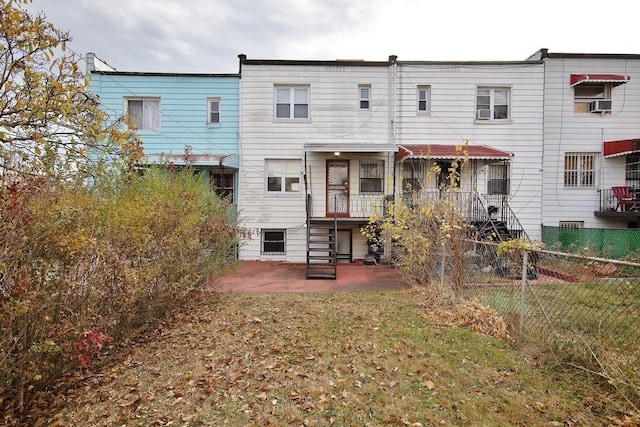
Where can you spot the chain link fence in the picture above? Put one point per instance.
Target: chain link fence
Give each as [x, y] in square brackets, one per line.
[606, 243]
[584, 310]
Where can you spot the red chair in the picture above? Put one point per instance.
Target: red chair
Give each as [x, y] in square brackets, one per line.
[626, 200]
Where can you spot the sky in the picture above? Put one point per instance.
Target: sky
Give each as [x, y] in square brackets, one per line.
[206, 36]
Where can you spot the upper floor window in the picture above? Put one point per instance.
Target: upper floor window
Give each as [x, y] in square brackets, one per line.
[213, 110]
[592, 98]
[580, 169]
[592, 93]
[424, 99]
[371, 176]
[492, 103]
[283, 175]
[144, 113]
[292, 102]
[364, 97]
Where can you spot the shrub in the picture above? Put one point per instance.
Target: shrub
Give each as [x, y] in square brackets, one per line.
[108, 258]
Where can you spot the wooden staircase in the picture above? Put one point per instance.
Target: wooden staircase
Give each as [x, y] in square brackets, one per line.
[322, 261]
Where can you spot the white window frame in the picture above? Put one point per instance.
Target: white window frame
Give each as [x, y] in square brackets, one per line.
[291, 102]
[423, 100]
[491, 106]
[580, 169]
[285, 173]
[213, 115]
[367, 166]
[150, 117]
[264, 241]
[364, 98]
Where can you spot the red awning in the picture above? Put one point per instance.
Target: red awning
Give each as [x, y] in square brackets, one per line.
[614, 79]
[435, 151]
[620, 147]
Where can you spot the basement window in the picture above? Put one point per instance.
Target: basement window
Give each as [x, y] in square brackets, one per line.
[273, 242]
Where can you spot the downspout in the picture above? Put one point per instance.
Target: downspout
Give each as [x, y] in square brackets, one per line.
[393, 76]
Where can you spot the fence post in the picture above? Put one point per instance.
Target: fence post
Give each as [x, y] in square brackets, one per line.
[442, 262]
[523, 292]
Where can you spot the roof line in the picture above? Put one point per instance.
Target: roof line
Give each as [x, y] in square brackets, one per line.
[163, 74]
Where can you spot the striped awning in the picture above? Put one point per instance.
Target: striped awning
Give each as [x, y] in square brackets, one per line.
[620, 147]
[436, 151]
[614, 79]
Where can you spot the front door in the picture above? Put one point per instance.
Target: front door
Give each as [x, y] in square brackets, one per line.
[338, 188]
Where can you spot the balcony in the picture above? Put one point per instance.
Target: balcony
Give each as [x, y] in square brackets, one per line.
[610, 207]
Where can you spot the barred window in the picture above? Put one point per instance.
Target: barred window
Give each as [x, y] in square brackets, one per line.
[273, 242]
[580, 169]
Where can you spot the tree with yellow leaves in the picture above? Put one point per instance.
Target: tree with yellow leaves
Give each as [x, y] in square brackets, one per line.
[49, 124]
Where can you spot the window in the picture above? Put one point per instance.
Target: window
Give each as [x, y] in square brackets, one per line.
[213, 112]
[292, 102]
[371, 176]
[579, 169]
[586, 95]
[571, 224]
[424, 99]
[498, 178]
[283, 176]
[273, 242]
[492, 103]
[364, 94]
[222, 182]
[632, 170]
[144, 114]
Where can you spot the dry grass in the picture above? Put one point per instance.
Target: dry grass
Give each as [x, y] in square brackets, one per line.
[318, 359]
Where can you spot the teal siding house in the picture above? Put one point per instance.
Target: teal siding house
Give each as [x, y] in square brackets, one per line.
[181, 118]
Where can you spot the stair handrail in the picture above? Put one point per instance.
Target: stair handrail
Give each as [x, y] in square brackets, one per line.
[512, 221]
[481, 213]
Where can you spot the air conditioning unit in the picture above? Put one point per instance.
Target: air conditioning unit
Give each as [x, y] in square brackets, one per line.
[600, 106]
[483, 114]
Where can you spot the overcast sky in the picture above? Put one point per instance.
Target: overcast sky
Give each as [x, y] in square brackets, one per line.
[206, 36]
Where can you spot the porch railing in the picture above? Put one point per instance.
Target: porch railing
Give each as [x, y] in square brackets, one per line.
[492, 211]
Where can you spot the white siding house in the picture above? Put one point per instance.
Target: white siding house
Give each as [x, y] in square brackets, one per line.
[493, 110]
[333, 139]
[317, 131]
[591, 138]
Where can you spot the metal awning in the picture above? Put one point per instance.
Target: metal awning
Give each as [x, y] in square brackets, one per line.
[620, 147]
[349, 147]
[436, 151]
[614, 79]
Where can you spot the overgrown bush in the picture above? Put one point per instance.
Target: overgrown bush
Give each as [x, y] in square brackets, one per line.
[82, 267]
[427, 242]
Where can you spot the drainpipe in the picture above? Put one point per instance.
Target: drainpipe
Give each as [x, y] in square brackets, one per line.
[393, 76]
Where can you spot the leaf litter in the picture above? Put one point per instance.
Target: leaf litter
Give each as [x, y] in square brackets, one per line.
[365, 358]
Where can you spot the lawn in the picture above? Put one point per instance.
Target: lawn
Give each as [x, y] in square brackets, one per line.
[343, 359]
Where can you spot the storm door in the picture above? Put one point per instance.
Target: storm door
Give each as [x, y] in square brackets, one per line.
[343, 247]
[338, 188]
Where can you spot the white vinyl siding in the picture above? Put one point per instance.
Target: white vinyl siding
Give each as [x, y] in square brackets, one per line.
[144, 113]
